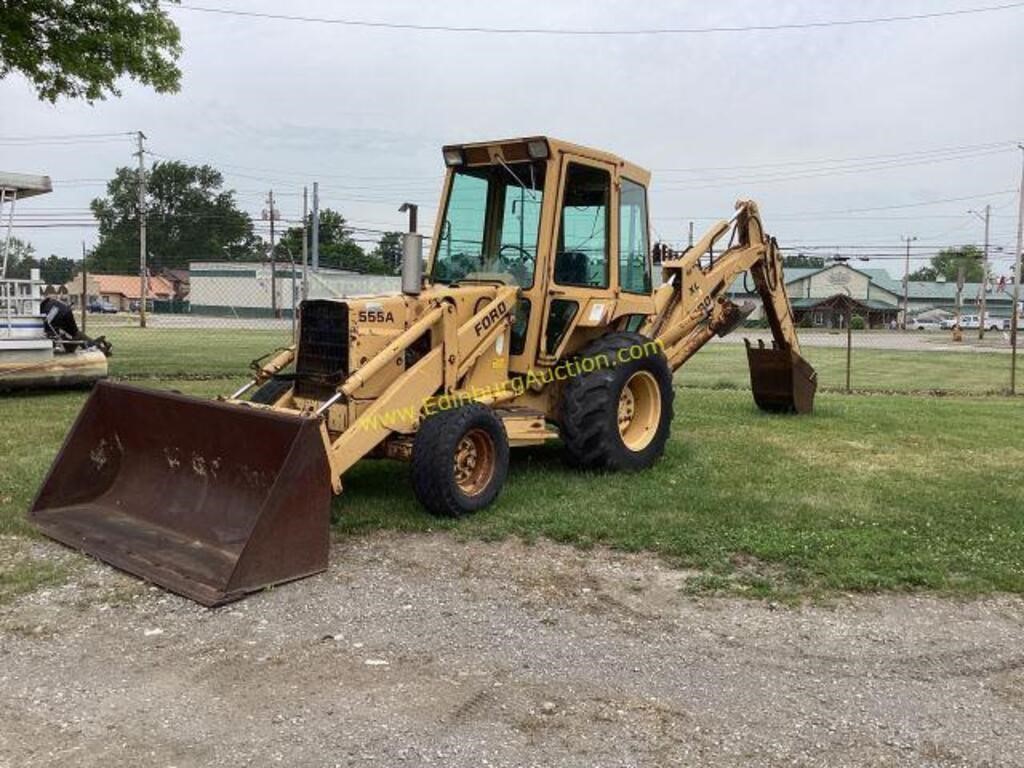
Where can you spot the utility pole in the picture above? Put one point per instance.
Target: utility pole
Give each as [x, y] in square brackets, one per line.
[143, 271]
[305, 244]
[316, 226]
[689, 241]
[83, 297]
[906, 281]
[1015, 316]
[273, 269]
[984, 272]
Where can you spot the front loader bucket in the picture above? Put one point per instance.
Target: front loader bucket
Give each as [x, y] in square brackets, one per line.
[207, 499]
[781, 379]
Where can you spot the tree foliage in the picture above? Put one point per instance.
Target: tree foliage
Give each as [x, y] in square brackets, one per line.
[53, 270]
[389, 251]
[947, 262]
[337, 248]
[802, 260]
[20, 258]
[189, 218]
[79, 48]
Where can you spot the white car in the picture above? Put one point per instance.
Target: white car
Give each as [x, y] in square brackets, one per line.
[917, 324]
[970, 323]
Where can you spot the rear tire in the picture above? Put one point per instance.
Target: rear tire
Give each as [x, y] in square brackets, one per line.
[270, 391]
[618, 417]
[459, 460]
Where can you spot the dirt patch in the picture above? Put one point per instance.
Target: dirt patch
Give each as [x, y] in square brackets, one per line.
[424, 650]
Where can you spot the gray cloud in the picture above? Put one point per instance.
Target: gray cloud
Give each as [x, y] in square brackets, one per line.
[365, 111]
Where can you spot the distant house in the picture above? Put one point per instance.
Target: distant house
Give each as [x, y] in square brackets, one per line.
[179, 280]
[822, 296]
[120, 290]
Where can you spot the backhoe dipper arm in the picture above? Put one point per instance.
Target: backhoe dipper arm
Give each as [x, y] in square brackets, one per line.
[767, 274]
[691, 304]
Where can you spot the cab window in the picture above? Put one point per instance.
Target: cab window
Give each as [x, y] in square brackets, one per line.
[491, 225]
[582, 253]
[634, 263]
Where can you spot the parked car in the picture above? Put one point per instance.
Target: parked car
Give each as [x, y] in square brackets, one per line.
[970, 323]
[917, 324]
[103, 306]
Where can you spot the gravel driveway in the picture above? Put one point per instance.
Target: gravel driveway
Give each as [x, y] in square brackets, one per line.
[424, 650]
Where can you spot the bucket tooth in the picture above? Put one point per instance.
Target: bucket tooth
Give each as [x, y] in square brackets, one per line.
[206, 499]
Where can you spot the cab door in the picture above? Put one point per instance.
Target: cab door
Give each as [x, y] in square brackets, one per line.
[583, 274]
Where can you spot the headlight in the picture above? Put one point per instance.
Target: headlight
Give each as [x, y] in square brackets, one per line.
[453, 156]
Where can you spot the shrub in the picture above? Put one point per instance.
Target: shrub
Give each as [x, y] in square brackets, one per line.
[857, 323]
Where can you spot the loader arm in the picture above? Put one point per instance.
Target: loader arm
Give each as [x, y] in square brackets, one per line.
[692, 306]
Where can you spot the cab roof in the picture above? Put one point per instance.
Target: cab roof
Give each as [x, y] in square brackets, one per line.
[517, 150]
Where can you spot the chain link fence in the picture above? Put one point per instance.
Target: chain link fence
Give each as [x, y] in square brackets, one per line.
[210, 298]
[920, 360]
[213, 318]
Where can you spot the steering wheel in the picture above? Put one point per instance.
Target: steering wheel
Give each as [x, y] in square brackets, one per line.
[523, 260]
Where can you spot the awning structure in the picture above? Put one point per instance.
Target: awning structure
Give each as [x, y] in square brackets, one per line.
[21, 185]
[14, 187]
[832, 311]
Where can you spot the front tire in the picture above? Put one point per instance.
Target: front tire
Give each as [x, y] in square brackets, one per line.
[459, 460]
[619, 415]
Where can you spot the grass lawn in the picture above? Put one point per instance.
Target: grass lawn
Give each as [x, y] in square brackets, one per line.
[212, 353]
[872, 492]
[200, 353]
[724, 366]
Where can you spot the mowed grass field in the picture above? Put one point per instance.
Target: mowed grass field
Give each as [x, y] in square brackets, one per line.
[220, 353]
[872, 492]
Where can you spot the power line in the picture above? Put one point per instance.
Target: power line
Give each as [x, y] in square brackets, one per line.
[843, 160]
[842, 211]
[69, 137]
[579, 32]
[819, 173]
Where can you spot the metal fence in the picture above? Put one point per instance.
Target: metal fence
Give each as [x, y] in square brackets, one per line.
[244, 304]
[212, 295]
[927, 361]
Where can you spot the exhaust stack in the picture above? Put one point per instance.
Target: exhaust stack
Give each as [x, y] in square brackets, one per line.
[412, 263]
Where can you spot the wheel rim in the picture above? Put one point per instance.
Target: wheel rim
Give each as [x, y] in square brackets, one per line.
[639, 410]
[474, 462]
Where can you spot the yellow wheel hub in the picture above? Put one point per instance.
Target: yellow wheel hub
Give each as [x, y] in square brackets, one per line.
[474, 462]
[639, 410]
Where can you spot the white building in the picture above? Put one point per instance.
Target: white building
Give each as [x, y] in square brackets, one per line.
[245, 289]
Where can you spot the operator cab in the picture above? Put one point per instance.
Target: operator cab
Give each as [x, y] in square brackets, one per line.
[566, 224]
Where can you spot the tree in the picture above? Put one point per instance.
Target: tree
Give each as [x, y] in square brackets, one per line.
[53, 270]
[57, 270]
[389, 251]
[924, 275]
[80, 48]
[20, 258]
[189, 218]
[337, 248]
[947, 262]
[801, 260]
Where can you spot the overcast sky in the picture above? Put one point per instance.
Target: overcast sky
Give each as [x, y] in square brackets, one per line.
[273, 103]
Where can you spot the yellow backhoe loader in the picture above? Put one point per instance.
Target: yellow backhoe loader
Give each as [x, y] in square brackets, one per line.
[538, 318]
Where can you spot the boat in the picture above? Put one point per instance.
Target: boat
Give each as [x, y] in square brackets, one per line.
[38, 350]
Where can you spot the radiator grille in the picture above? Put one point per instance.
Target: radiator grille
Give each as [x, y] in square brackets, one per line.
[323, 349]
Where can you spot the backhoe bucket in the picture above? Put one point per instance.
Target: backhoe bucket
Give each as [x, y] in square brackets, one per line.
[207, 499]
[782, 381]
